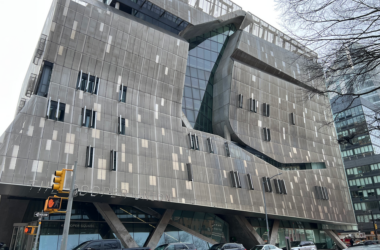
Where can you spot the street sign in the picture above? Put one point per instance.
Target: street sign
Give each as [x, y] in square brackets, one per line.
[75, 192]
[40, 214]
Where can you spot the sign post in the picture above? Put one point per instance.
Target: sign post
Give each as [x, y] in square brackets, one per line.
[68, 212]
[40, 215]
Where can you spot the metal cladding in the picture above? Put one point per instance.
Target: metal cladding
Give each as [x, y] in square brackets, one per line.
[156, 155]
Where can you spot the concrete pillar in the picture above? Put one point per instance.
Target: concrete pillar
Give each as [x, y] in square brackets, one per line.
[192, 232]
[335, 238]
[155, 237]
[14, 211]
[117, 5]
[274, 232]
[115, 224]
[150, 211]
[243, 231]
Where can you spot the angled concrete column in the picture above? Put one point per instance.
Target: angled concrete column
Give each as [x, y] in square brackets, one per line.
[115, 224]
[155, 237]
[243, 231]
[192, 232]
[335, 238]
[274, 232]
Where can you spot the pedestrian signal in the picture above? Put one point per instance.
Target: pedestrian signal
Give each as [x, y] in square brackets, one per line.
[30, 230]
[53, 204]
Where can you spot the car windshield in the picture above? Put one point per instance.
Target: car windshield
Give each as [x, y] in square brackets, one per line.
[295, 243]
[162, 247]
[257, 248]
[216, 246]
[79, 247]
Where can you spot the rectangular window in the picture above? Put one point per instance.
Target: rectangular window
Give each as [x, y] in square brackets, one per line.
[44, 83]
[267, 134]
[90, 156]
[269, 185]
[121, 126]
[113, 160]
[266, 108]
[123, 93]
[283, 187]
[56, 110]
[233, 179]
[189, 172]
[277, 186]
[240, 101]
[88, 118]
[93, 85]
[195, 141]
[191, 141]
[293, 118]
[226, 146]
[88, 83]
[238, 182]
[82, 81]
[210, 146]
[250, 182]
[253, 105]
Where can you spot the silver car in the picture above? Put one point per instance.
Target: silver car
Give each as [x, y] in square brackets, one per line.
[303, 245]
[265, 247]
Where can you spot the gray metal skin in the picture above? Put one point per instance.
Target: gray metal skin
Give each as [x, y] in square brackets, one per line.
[153, 153]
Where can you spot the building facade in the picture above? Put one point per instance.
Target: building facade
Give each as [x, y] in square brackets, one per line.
[357, 131]
[176, 114]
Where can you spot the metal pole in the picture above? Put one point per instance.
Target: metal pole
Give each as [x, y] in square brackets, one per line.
[66, 227]
[38, 232]
[373, 222]
[266, 215]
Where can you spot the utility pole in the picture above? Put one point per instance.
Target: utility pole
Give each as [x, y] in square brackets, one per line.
[265, 205]
[374, 225]
[66, 227]
[266, 215]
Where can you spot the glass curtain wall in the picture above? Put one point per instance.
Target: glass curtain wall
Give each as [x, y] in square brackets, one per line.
[87, 224]
[205, 52]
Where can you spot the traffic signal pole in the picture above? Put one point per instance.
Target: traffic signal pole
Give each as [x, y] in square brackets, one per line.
[68, 212]
[38, 232]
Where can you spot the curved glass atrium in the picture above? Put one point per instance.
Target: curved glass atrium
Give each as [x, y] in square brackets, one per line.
[205, 52]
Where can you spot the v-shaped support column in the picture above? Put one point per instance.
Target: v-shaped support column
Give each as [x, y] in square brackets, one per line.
[115, 224]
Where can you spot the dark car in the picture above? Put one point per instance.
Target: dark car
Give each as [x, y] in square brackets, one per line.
[367, 243]
[176, 246]
[104, 244]
[229, 246]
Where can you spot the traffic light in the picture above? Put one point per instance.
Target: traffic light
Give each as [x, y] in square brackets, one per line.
[59, 180]
[30, 230]
[376, 226]
[53, 204]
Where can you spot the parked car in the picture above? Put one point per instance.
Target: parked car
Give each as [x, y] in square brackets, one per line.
[176, 246]
[229, 246]
[367, 243]
[302, 245]
[265, 247]
[104, 244]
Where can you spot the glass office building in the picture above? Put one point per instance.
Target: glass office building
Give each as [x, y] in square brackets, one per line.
[175, 113]
[359, 140]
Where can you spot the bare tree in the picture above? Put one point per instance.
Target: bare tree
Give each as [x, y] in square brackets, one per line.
[346, 36]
